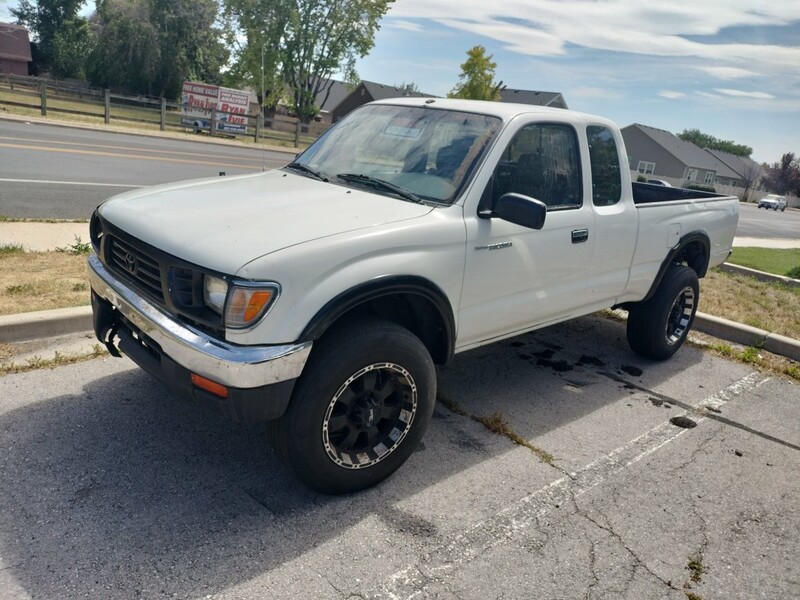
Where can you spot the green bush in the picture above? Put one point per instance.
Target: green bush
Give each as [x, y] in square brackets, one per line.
[701, 188]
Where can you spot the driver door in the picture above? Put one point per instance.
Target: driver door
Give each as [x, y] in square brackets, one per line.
[517, 278]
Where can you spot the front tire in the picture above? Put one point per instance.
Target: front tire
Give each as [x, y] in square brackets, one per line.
[657, 328]
[360, 408]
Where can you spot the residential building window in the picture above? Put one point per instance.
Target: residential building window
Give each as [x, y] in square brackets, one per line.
[709, 177]
[691, 174]
[646, 168]
[604, 158]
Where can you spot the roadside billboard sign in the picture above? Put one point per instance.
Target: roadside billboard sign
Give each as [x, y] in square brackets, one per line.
[198, 100]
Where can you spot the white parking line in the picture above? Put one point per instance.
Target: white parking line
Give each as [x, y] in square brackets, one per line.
[412, 581]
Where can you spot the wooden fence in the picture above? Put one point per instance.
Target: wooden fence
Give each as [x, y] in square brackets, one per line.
[49, 96]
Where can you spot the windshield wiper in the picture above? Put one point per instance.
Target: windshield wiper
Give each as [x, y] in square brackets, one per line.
[306, 169]
[369, 180]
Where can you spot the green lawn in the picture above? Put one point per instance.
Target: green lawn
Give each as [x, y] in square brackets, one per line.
[771, 260]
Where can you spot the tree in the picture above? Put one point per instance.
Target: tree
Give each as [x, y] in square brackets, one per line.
[704, 140]
[161, 43]
[477, 77]
[64, 37]
[783, 176]
[751, 173]
[303, 42]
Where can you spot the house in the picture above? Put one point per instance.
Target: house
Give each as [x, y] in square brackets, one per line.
[660, 154]
[368, 91]
[329, 97]
[15, 49]
[748, 170]
[554, 99]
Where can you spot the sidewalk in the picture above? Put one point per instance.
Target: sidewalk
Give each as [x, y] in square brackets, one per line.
[42, 236]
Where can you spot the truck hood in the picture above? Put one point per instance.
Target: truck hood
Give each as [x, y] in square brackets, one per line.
[226, 222]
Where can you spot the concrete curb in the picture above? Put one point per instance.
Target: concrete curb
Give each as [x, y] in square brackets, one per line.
[24, 327]
[747, 336]
[759, 275]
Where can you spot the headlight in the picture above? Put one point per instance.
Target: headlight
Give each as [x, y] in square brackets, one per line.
[214, 292]
[241, 303]
[247, 303]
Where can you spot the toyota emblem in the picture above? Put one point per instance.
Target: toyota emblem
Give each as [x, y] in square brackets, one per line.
[130, 263]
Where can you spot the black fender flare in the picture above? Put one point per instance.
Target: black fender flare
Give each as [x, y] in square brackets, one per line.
[383, 287]
[685, 250]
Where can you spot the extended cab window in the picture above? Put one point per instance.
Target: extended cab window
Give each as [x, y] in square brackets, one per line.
[606, 179]
[543, 162]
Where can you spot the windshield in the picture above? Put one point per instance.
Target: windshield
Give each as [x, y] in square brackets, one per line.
[422, 152]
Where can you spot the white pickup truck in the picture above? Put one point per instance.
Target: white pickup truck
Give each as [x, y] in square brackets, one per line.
[318, 297]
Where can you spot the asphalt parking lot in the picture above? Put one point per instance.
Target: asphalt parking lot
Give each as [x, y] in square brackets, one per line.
[638, 480]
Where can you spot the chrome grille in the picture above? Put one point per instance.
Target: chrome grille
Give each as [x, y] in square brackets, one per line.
[138, 266]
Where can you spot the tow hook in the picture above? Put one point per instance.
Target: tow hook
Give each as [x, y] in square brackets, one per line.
[107, 338]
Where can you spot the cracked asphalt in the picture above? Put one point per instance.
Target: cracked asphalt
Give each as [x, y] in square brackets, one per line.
[676, 480]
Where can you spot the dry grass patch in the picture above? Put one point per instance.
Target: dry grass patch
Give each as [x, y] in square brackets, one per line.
[770, 306]
[32, 281]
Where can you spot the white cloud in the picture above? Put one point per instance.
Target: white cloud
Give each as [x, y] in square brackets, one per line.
[671, 95]
[405, 25]
[728, 72]
[548, 27]
[743, 94]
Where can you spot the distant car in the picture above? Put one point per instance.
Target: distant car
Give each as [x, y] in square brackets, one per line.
[659, 182]
[773, 201]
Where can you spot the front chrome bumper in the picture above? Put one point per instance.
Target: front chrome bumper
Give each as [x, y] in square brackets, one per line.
[220, 361]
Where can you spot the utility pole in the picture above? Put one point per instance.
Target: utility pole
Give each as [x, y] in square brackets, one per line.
[262, 78]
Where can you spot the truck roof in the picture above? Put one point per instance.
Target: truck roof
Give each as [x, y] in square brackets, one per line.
[502, 110]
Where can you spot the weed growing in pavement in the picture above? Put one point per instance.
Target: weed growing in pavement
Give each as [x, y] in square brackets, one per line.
[696, 569]
[756, 357]
[496, 424]
[750, 355]
[58, 360]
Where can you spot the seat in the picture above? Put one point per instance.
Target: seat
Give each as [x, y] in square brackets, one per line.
[450, 158]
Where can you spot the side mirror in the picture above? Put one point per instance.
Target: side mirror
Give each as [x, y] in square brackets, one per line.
[521, 210]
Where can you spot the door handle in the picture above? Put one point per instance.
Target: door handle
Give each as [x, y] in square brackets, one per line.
[579, 236]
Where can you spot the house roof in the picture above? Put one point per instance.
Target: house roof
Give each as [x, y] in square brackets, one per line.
[331, 94]
[379, 91]
[533, 97]
[742, 166]
[686, 152]
[14, 43]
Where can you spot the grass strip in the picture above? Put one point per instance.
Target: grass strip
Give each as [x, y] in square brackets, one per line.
[778, 261]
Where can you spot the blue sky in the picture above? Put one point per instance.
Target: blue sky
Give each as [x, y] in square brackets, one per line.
[730, 68]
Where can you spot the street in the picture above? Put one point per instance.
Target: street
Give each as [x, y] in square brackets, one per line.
[49, 172]
[113, 489]
[757, 222]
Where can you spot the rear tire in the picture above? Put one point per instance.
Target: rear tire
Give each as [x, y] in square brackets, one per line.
[360, 408]
[658, 327]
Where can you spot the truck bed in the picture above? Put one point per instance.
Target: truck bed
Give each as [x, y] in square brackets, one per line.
[645, 193]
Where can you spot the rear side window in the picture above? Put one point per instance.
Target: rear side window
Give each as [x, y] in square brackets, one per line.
[606, 178]
[543, 162]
